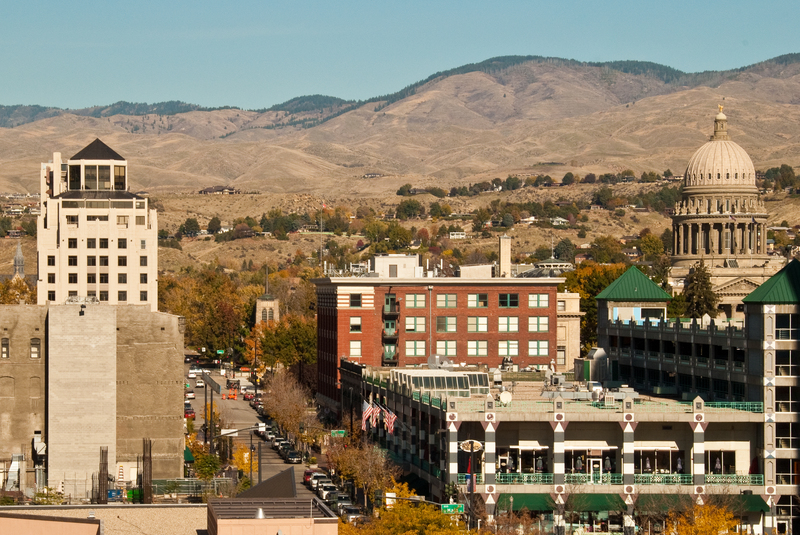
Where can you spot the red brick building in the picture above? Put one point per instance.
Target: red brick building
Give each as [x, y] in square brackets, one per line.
[399, 316]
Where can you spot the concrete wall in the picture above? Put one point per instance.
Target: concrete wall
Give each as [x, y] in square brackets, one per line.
[81, 399]
[149, 390]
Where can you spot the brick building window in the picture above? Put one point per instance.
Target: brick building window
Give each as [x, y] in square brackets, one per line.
[538, 348]
[415, 324]
[446, 348]
[415, 300]
[508, 324]
[445, 324]
[355, 324]
[477, 300]
[538, 301]
[446, 301]
[538, 324]
[477, 348]
[508, 348]
[355, 300]
[415, 348]
[36, 345]
[477, 324]
[509, 300]
[355, 348]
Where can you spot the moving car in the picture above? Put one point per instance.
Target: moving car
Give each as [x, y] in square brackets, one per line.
[294, 457]
[199, 383]
[189, 394]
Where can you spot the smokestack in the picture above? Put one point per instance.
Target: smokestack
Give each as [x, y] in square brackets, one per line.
[505, 257]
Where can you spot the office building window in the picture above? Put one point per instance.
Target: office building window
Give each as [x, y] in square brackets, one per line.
[140, 222]
[122, 261]
[91, 243]
[445, 324]
[477, 348]
[142, 261]
[91, 278]
[508, 348]
[538, 324]
[538, 348]
[143, 278]
[355, 324]
[477, 300]
[51, 295]
[122, 295]
[355, 300]
[538, 301]
[415, 324]
[36, 346]
[72, 278]
[51, 260]
[393, 270]
[91, 293]
[72, 243]
[122, 220]
[561, 305]
[122, 278]
[122, 244]
[51, 278]
[446, 300]
[72, 220]
[104, 278]
[4, 348]
[104, 243]
[477, 324]
[355, 348]
[73, 293]
[508, 324]
[143, 295]
[103, 261]
[415, 348]
[415, 300]
[103, 294]
[72, 260]
[446, 348]
[509, 300]
[561, 355]
[91, 260]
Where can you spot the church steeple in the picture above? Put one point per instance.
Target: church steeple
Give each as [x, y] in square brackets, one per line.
[19, 262]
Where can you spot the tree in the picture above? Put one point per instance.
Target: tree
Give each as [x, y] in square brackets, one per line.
[482, 216]
[409, 208]
[568, 179]
[588, 280]
[215, 225]
[590, 178]
[708, 519]
[667, 174]
[602, 196]
[607, 249]
[651, 246]
[242, 458]
[405, 190]
[437, 192]
[206, 466]
[191, 227]
[700, 296]
[565, 250]
[508, 220]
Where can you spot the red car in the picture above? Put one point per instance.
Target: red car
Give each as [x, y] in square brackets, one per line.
[249, 396]
[188, 413]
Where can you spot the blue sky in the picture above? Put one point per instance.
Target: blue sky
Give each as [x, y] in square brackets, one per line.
[253, 54]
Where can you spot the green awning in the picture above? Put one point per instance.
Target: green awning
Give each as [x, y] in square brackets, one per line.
[595, 502]
[739, 503]
[531, 502]
[187, 456]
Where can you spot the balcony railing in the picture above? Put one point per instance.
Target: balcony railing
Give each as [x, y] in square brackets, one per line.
[662, 479]
[390, 333]
[525, 479]
[392, 309]
[462, 479]
[735, 479]
[595, 478]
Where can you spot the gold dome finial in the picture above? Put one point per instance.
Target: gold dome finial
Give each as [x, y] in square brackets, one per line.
[720, 107]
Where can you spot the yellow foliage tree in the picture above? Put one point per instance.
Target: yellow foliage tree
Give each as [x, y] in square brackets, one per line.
[241, 458]
[705, 519]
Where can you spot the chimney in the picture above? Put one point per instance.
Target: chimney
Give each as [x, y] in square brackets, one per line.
[505, 257]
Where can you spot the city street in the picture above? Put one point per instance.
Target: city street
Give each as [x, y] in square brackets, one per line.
[237, 414]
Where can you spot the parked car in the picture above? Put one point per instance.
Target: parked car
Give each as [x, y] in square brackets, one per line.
[189, 394]
[285, 448]
[315, 479]
[268, 436]
[188, 412]
[249, 396]
[192, 374]
[352, 515]
[342, 501]
[294, 457]
[310, 472]
[276, 441]
[326, 491]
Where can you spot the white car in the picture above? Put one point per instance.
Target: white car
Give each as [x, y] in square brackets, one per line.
[192, 374]
[200, 383]
[326, 490]
[189, 394]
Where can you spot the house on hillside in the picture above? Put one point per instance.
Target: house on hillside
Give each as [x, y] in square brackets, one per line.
[220, 190]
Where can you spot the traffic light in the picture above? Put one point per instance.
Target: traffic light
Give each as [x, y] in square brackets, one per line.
[302, 428]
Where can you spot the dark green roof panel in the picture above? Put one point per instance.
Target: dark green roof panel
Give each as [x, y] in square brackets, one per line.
[633, 285]
[783, 288]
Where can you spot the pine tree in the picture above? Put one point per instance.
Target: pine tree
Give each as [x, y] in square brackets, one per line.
[700, 297]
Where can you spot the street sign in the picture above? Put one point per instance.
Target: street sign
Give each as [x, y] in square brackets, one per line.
[262, 427]
[338, 433]
[212, 383]
[220, 351]
[452, 508]
[229, 433]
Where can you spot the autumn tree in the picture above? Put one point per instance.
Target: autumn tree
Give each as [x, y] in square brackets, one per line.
[651, 246]
[206, 466]
[699, 292]
[588, 280]
[242, 458]
[708, 519]
[16, 291]
[364, 463]
[286, 401]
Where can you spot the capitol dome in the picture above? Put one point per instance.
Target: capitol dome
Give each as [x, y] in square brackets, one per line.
[720, 164]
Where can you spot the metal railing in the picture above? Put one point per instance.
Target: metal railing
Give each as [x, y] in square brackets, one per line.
[735, 479]
[462, 479]
[662, 479]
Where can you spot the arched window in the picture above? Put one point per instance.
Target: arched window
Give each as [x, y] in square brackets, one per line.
[719, 176]
[264, 314]
[736, 176]
[271, 314]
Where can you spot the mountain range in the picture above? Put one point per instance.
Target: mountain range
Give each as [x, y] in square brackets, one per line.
[508, 115]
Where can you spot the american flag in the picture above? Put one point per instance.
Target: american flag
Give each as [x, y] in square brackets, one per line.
[366, 411]
[389, 418]
[376, 411]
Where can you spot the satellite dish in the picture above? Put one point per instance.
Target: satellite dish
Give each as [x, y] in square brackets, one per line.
[505, 397]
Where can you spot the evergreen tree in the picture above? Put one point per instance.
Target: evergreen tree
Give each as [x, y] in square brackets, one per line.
[214, 225]
[700, 297]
